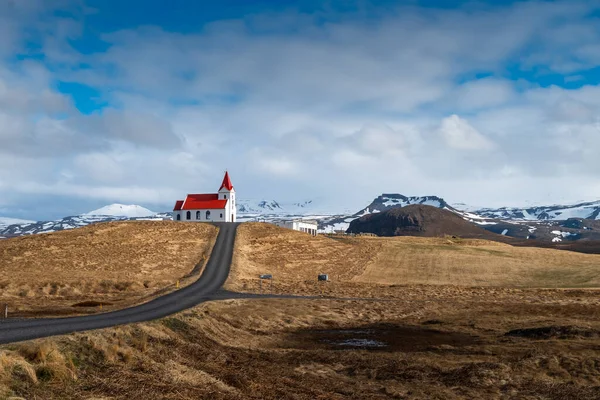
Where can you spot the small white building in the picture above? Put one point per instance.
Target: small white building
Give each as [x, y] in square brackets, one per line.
[306, 226]
[208, 207]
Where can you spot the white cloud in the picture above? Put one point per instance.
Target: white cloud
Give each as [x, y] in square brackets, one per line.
[143, 129]
[345, 109]
[482, 93]
[459, 134]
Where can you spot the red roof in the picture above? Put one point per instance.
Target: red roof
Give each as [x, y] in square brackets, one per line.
[178, 205]
[226, 182]
[202, 197]
[203, 202]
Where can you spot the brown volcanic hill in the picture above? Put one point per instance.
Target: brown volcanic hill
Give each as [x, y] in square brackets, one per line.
[420, 220]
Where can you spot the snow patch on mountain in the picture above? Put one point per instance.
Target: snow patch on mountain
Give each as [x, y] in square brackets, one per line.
[122, 210]
[113, 212]
[258, 207]
[563, 234]
[5, 221]
[589, 210]
[273, 207]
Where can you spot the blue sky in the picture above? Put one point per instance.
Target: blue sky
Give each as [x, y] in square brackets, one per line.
[484, 103]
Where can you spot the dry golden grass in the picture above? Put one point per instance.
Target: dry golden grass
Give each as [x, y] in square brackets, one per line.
[295, 259]
[438, 261]
[33, 363]
[294, 256]
[438, 340]
[115, 263]
[450, 347]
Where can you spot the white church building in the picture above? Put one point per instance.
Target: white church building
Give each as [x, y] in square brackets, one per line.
[208, 207]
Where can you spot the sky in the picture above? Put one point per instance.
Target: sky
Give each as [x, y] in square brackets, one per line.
[140, 102]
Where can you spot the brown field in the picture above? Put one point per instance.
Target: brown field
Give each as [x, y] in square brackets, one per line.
[401, 318]
[117, 263]
[369, 266]
[478, 344]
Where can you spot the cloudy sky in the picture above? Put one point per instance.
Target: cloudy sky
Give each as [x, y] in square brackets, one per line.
[484, 103]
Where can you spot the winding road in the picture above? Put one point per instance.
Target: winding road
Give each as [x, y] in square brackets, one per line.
[205, 288]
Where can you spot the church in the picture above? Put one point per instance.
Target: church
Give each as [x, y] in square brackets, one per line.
[208, 207]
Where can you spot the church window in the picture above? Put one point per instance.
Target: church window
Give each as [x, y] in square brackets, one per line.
[198, 215]
[221, 215]
[188, 215]
[224, 196]
[208, 213]
[178, 217]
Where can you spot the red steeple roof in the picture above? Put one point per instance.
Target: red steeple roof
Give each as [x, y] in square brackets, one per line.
[226, 182]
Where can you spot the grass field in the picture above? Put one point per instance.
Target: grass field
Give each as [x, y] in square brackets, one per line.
[295, 259]
[117, 263]
[402, 318]
[121, 263]
[475, 343]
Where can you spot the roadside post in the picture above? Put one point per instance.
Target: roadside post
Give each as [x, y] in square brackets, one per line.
[322, 278]
[5, 310]
[267, 277]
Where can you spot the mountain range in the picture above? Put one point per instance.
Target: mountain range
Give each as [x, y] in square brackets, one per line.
[549, 223]
[589, 210]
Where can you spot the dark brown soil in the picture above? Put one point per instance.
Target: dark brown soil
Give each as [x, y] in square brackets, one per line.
[379, 337]
[91, 304]
[551, 332]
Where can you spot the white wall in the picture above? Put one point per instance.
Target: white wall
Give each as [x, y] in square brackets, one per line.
[307, 227]
[215, 215]
[225, 194]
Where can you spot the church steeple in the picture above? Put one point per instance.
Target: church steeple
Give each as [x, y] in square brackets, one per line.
[226, 182]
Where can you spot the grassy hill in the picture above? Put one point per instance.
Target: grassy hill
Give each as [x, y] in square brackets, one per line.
[441, 340]
[117, 263]
[295, 259]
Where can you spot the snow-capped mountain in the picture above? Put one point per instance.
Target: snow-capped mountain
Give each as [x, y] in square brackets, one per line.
[4, 222]
[112, 212]
[247, 207]
[381, 203]
[122, 210]
[258, 207]
[390, 200]
[547, 223]
[589, 210]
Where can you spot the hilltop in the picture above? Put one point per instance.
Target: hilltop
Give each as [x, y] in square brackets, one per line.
[418, 220]
[117, 263]
[369, 266]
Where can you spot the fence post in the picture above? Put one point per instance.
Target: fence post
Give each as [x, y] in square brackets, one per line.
[5, 311]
